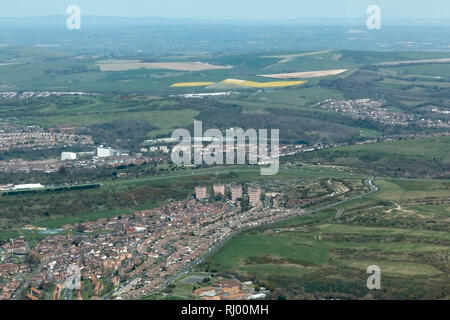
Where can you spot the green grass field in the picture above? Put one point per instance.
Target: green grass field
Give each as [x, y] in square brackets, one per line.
[435, 70]
[397, 190]
[42, 69]
[420, 148]
[407, 241]
[416, 158]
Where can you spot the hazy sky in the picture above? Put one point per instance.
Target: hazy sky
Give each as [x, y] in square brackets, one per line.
[232, 9]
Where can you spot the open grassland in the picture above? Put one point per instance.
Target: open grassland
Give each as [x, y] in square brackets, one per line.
[37, 68]
[191, 84]
[296, 98]
[309, 61]
[420, 148]
[379, 231]
[416, 158]
[418, 86]
[408, 62]
[291, 270]
[164, 121]
[289, 57]
[58, 75]
[326, 255]
[27, 53]
[392, 268]
[255, 249]
[161, 115]
[399, 190]
[435, 71]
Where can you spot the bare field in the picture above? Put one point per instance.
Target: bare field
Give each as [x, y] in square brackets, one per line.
[304, 75]
[125, 65]
[289, 57]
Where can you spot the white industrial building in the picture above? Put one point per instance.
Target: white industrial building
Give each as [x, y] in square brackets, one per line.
[104, 152]
[258, 296]
[67, 156]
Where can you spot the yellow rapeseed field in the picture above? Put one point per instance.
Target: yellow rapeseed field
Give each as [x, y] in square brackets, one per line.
[245, 83]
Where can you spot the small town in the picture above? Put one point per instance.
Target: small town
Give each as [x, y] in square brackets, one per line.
[35, 138]
[223, 160]
[39, 94]
[367, 109]
[128, 257]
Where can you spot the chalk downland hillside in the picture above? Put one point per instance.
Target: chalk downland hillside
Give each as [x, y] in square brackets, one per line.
[304, 75]
[325, 255]
[412, 158]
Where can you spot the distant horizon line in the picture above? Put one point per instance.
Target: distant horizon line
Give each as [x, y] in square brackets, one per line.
[224, 19]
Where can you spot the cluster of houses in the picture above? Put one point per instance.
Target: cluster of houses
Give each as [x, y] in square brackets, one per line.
[148, 247]
[9, 268]
[34, 137]
[39, 94]
[15, 246]
[377, 111]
